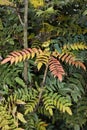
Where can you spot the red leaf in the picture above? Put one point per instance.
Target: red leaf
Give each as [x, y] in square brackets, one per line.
[56, 68]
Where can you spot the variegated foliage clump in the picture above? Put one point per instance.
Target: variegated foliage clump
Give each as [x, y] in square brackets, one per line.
[50, 58]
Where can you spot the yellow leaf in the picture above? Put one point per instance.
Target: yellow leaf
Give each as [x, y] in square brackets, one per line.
[37, 3]
[64, 108]
[12, 60]
[61, 107]
[58, 104]
[3, 123]
[6, 2]
[31, 36]
[39, 65]
[20, 117]
[20, 102]
[46, 43]
[44, 124]
[6, 127]
[47, 49]
[32, 55]
[20, 58]
[55, 102]
[1, 25]
[28, 56]
[51, 112]
[16, 59]
[68, 110]
[19, 129]
[47, 28]
[14, 110]
[24, 56]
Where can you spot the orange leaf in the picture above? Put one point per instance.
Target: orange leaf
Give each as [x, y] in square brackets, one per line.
[6, 60]
[12, 60]
[56, 68]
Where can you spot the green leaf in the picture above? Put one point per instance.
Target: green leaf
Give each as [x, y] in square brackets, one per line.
[29, 76]
[50, 10]
[20, 81]
[57, 48]
[11, 41]
[20, 117]
[1, 26]
[85, 12]
[76, 127]
[39, 12]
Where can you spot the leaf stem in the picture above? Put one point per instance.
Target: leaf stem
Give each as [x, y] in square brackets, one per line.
[44, 77]
[42, 87]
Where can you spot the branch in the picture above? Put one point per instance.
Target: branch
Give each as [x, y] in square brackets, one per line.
[42, 87]
[19, 16]
[43, 83]
[25, 39]
[25, 23]
[44, 77]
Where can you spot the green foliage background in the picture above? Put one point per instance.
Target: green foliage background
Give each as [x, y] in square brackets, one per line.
[63, 22]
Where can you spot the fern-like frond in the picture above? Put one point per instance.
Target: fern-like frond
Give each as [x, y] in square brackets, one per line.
[56, 68]
[41, 125]
[25, 94]
[34, 122]
[48, 103]
[79, 116]
[82, 106]
[71, 60]
[43, 111]
[30, 106]
[75, 46]
[6, 3]
[18, 56]
[42, 58]
[7, 122]
[26, 97]
[56, 101]
[62, 103]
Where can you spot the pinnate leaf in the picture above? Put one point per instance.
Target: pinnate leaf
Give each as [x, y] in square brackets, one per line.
[20, 117]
